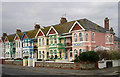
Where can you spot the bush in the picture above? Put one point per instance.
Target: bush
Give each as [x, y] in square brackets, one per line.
[90, 56]
[76, 60]
[114, 55]
[103, 54]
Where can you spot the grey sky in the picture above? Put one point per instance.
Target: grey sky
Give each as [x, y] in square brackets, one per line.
[23, 15]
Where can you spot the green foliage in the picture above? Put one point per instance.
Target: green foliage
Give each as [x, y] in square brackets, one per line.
[90, 56]
[103, 54]
[114, 55]
[77, 59]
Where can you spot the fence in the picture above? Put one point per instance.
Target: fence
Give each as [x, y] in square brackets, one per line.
[108, 63]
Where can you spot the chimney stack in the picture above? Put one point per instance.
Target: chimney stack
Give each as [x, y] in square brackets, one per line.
[18, 30]
[4, 34]
[106, 23]
[63, 20]
[111, 29]
[37, 26]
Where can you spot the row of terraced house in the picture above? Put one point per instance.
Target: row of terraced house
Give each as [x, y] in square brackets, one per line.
[63, 41]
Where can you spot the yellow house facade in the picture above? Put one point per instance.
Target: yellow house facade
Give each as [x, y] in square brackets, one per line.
[43, 43]
[56, 44]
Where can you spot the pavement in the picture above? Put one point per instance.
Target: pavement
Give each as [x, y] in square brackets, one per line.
[55, 71]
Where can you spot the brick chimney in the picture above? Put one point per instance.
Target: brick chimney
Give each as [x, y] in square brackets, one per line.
[4, 34]
[18, 30]
[63, 20]
[106, 23]
[37, 26]
[111, 29]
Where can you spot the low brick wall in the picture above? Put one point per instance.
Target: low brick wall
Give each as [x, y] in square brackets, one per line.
[2, 61]
[14, 63]
[76, 66]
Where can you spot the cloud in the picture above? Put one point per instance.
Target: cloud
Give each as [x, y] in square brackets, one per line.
[24, 15]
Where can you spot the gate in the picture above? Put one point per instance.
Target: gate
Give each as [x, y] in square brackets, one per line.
[109, 64]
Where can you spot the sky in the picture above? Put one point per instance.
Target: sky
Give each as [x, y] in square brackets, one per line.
[24, 15]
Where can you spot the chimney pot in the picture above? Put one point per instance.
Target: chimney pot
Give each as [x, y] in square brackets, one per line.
[63, 20]
[18, 30]
[106, 23]
[37, 26]
[4, 34]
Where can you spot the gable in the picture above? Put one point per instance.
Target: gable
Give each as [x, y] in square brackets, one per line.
[16, 38]
[6, 39]
[52, 31]
[24, 36]
[76, 27]
[40, 34]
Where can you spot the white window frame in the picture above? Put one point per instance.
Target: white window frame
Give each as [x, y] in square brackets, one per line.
[43, 41]
[75, 37]
[86, 37]
[81, 37]
[39, 41]
[75, 53]
[111, 38]
[55, 39]
[93, 36]
[51, 40]
[107, 38]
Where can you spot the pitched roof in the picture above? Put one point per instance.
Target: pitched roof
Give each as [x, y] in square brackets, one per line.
[20, 34]
[85, 23]
[116, 38]
[11, 37]
[45, 29]
[31, 33]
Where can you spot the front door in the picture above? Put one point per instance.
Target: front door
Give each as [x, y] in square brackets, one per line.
[66, 54]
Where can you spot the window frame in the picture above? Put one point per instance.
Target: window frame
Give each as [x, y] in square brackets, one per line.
[86, 35]
[93, 36]
[75, 37]
[81, 37]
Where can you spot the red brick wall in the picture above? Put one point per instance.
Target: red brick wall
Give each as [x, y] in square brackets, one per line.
[76, 66]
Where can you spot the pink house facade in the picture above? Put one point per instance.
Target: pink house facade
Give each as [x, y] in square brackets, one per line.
[87, 36]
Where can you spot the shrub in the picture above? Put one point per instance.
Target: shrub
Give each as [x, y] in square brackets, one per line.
[77, 59]
[102, 54]
[90, 56]
[114, 55]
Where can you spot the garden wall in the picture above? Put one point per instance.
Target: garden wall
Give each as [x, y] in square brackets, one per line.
[2, 61]
[103, 64]
[12, 62]
[76, 66]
